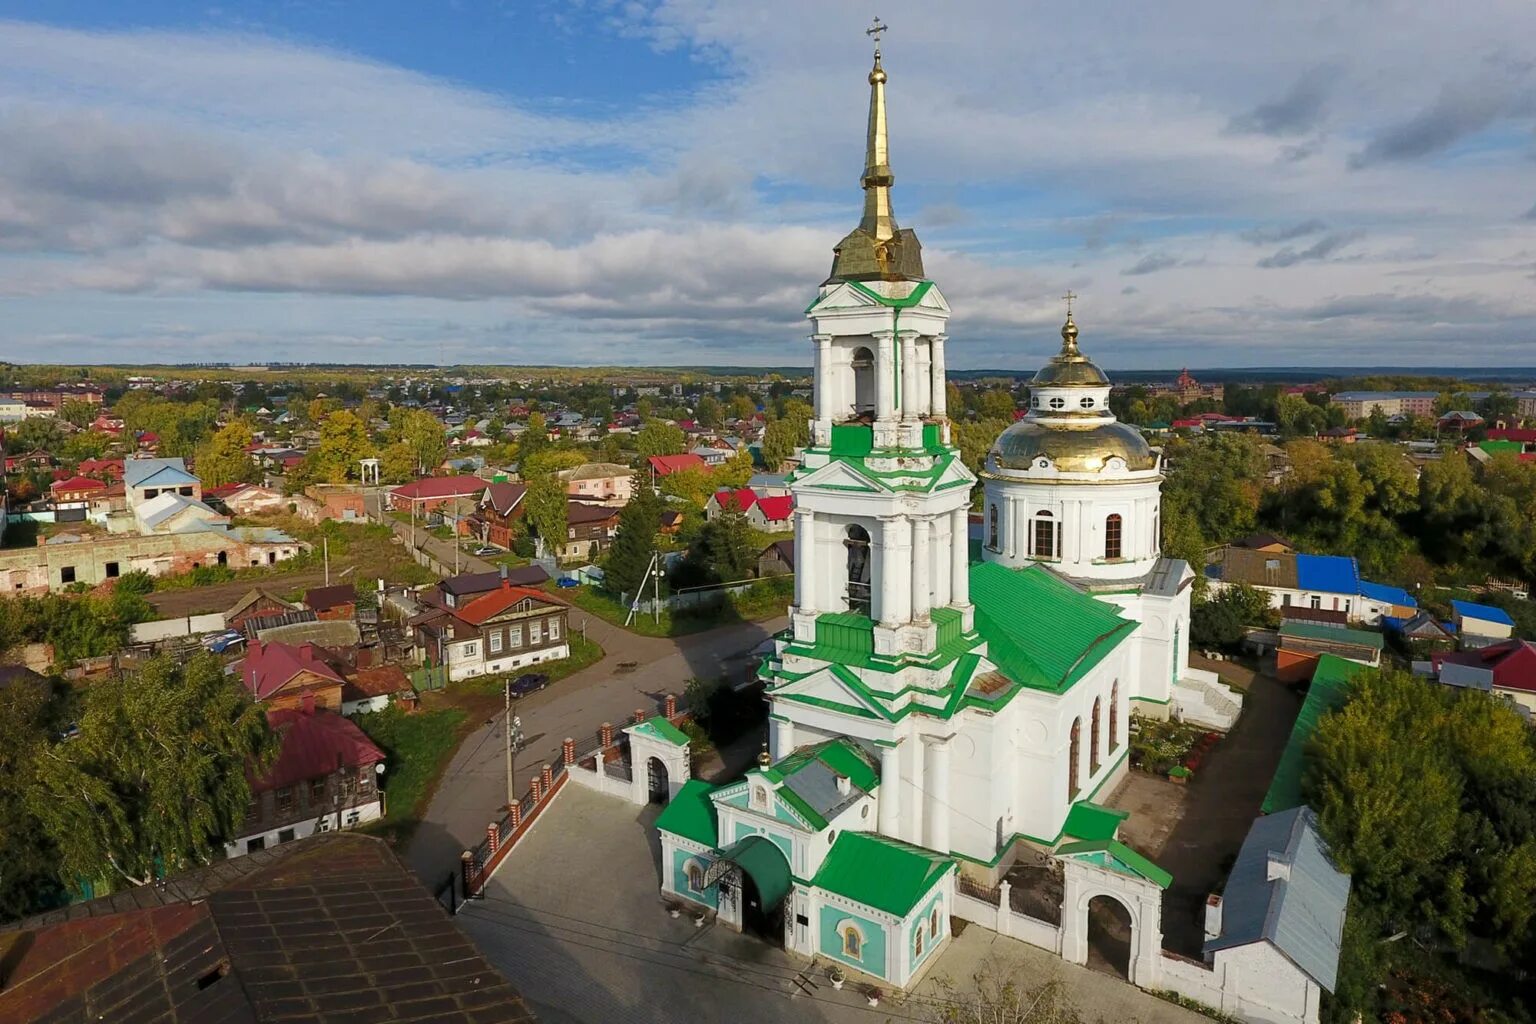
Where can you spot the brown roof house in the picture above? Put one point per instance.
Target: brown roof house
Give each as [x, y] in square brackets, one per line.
[499, 631]
[337, 602]
[283, 675]
[320, 930]
[589, 530]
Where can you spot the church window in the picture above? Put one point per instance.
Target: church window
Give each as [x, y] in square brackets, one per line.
[853, 942]
[1072, 752]
[695, 876]
[1086, 403]
[933, 923]
[1058, 403]
[1034, 403]
[992, 527]
[1114, 717]
[1093, 740]
[1045, 535]
[1112, 535]
[857, 543]
[917, 945]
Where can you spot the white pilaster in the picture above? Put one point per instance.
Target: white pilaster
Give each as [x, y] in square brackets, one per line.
[959, 566]
[826, 397]
[922, 568]
[943, 550]
[805, 547]
[783, 737]
[938, 797]
[909, 395]
[885, 376]
[939, 379]
[914, 817]
[890, 792]
[895, 570]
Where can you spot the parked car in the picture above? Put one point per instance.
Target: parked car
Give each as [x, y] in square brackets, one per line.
[221, 642]
[483, 551]
[568, 582]
[528, 682]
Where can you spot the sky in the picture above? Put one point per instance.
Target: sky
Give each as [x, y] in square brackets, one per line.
[661, 182]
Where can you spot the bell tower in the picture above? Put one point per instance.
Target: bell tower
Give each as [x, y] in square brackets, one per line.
[881, 497]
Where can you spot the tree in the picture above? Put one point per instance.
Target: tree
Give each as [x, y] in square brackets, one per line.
[423, 434]
[997, 404]
[1219, 621]
[724, 550]
[155, 782]
[343, 442]
[634, 543]
[710, 412]
[37, 434]
[28, 880]
[658, 437]
[78, 412]
[223, 458]
[1000, 993]
[742, 407]
[694, 485]
[735, 472]
[545, 509]
[778, 443]
[535, 438]
[397, 463]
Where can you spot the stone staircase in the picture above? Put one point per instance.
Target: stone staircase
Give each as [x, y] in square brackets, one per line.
[1203, 699]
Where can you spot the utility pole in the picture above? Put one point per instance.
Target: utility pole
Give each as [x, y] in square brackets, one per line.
[413, 527]
[507, 729]
[325, 546]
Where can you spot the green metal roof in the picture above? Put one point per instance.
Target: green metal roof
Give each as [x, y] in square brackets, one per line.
[878, 872]
[840, 755]
[1089, 821]
[1115, 855]
[1043, 633]
[1330, 688]
[663, 729]
[765, 863]
[691, 814]
[1336, 634]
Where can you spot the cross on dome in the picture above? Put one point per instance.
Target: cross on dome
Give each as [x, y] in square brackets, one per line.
[874, 31]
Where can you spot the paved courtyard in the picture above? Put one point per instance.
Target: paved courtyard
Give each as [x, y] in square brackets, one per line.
[1194, 831]
[574, 921]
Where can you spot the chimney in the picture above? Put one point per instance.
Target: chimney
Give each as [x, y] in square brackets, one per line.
[1278, 869]
[1212, 916]
[506, 580]
[843, 785]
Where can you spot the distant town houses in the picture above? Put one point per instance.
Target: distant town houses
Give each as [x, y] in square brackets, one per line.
[771, 514]
[501, 629]
[1330, 582]
[1359, 405]
[602, 482]
[430, 494]
[589, 530]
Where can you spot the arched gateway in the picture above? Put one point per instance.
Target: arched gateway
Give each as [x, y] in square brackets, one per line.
[754, 877]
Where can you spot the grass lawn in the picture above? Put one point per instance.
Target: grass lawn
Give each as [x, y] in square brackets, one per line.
[418, 747]
[765, 599]
[584, 653]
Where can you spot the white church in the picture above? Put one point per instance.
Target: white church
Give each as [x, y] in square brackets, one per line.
[938, 706]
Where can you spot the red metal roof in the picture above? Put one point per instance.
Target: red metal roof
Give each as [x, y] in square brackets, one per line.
[777, 509]
[1513, 663]
[668, 464]
[315, 743]
[441, 487]
[1522, 434]
[497, 601]
[743, 498]
[77, 483]
[268, 665]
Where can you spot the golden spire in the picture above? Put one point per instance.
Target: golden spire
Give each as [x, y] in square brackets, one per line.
[878, 220]
[1069, 329]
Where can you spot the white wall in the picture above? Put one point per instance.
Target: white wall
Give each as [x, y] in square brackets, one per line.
[366, 812]
[165, 629]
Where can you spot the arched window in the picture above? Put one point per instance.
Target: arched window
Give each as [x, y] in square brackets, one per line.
[917, 945]
[1086, 403]
[1045, 535]
[992, 527]
[1112, 535]
[857, 542]
[863, 381]
[933, 923]
[853, 942]
[1114, 717]
[695, 875]
[1093, 740]
[1072, 752]
[1057, 403]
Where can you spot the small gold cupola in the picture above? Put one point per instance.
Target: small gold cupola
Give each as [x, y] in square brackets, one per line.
[878, 250]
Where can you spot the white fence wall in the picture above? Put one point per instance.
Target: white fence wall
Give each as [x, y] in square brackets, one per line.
[167, 629]
[1005, 921]
[604, 783]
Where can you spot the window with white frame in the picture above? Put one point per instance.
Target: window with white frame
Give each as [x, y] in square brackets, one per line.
[495, 642]
[853, 942]
[515, 637]
[933, 922]
[554, 628]
[695, 873]
[535, 631]
[469, 650]
[917, 945]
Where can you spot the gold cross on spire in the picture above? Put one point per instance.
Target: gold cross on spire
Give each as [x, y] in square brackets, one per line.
[1069, 297]
[874, 31]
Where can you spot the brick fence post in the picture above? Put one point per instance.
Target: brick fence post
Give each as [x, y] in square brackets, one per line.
[467, 869]
[669, 706]
[515, 817]
[547, 776]
[639, 715]
[533, 788]
[605, 735]
[493, 836]
[568, 751]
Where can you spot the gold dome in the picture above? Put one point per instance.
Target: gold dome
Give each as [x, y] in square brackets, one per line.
[1069, 367]
[1072, 447]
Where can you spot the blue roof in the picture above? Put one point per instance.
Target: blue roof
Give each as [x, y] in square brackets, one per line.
[1388, 595]
[1483, 612]
[1297, 904]
[1333, 574]
[139, 472]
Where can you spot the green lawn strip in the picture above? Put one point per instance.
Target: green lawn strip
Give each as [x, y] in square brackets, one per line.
[584, 654]
[765, 599]
[417, 748]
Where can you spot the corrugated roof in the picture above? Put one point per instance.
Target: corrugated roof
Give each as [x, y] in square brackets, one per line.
[1283, 889]
[139, 472]
[1259, 568]
[1334, 574]
[315, 744]
[1091, 822]
[691, 814]
[1482, 612]
[1331, 634]
[878, 872]
[661, 728]
[1330, 688]
[1044, 633]
[1389, 595]
[1115, 855]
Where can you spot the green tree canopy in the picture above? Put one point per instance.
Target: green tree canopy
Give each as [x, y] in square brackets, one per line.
[634, 543]
[222, 459]
[343, 442]
[658, 437]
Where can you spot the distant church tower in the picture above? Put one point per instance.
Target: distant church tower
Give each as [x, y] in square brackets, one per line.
[881, 497]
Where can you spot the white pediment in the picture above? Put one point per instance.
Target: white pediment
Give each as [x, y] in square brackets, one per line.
[824, 685]
[840, 476]
[842, 296]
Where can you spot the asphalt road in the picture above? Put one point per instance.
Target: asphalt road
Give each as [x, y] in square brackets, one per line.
[636, 672]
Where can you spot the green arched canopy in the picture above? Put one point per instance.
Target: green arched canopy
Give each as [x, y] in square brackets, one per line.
[762, 861]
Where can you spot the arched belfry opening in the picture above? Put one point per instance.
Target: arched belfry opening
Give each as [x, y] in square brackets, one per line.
[856, 540]
[863, 365]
